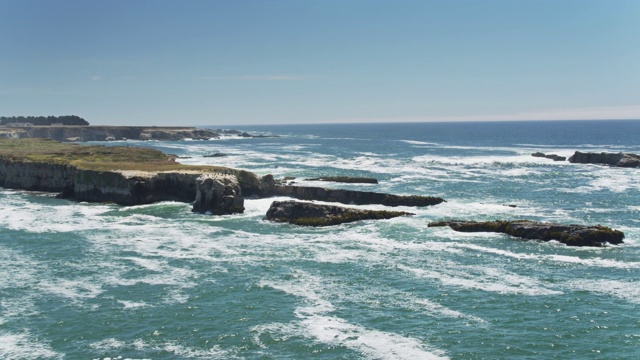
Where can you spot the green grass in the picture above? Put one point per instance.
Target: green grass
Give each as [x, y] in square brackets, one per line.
[94, 157]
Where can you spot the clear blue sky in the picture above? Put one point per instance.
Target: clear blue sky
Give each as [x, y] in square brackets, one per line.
[225, 62]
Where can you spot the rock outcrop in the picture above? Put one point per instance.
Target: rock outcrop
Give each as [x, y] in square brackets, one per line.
[346, 179]
[310, 214]
[572, 235]
[613, 159]
[218, 195]
[353, 196]
[553, 157]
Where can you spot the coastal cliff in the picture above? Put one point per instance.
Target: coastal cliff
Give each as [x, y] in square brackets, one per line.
[106, 133]
[99, 174]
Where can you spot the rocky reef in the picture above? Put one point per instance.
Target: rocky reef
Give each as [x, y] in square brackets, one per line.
[310, 214]
[572, 235]
[107, 133]
[613, 159]
[553, 157]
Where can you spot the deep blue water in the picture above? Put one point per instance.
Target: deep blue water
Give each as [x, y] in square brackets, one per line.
[94, 281]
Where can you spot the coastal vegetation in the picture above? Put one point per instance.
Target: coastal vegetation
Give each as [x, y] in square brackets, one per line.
[44, 120]
[93, 157]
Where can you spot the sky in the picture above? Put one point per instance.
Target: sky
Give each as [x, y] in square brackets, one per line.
[237, 62]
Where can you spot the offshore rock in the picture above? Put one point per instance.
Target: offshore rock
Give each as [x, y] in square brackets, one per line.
[572, 235]
[351, 196]
[218, 195]
[310, 214]
[613, 159]
[553, 157]
[346, 179]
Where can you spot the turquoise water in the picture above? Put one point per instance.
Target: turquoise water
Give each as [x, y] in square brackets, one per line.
[89, 281]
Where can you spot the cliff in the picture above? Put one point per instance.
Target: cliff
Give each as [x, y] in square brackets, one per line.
[126, 176]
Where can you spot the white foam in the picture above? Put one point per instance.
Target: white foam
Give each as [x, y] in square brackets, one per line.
[483, 278]
[314, 323]
[433, 308]
[552, 258]
[626, 290]
[132, 304]
[371, 343]
[25, 346]
[177, 350]
[71, 289]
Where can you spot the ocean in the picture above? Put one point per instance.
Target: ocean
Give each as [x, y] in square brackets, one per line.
[99, 281]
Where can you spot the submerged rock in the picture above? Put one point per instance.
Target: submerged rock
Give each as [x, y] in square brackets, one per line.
[310, 214]
[572, 235]
[613, 159]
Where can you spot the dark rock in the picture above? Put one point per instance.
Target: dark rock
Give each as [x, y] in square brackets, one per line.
[553, 157]
[310, 214]
[346, 179]
[572, 235]
[215, 155]
[613, 159]
[352, 196]
[247, 135]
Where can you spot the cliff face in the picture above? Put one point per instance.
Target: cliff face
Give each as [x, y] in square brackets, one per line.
[35, 176]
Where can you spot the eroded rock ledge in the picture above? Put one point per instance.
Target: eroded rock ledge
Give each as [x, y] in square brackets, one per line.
[310, 214]
[355, 197]
[346, 179]
[572, 235]
[613, 159]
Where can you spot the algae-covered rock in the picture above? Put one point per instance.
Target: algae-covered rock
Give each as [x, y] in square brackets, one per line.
[572, 235]
[613, 159]
[310, 214]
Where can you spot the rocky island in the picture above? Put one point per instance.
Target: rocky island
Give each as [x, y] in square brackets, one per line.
[613, 159]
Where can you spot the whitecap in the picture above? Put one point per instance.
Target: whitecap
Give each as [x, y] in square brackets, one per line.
[25, 346]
